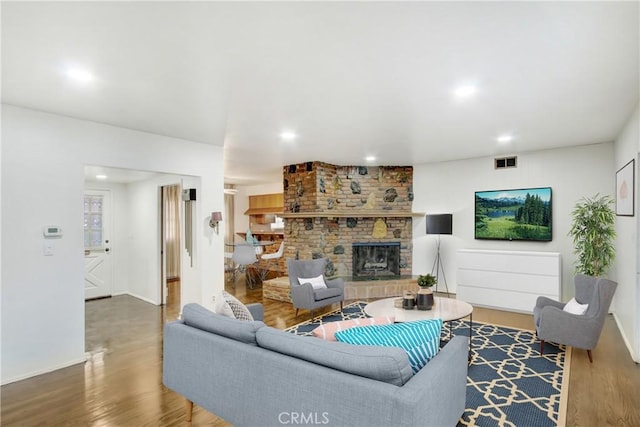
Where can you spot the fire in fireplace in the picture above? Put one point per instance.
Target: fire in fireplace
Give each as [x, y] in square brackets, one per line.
[376, 260]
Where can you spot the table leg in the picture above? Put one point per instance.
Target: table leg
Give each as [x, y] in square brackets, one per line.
[470, 335]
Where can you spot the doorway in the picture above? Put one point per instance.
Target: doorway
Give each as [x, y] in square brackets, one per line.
[97, 245]
[170, 199]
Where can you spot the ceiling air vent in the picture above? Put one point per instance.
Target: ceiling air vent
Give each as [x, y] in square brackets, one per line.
[506, 162]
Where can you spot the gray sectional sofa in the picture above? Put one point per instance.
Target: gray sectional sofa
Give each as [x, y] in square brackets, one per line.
[253, 375]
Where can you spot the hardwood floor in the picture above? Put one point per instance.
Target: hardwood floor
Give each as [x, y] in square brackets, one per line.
[121, 383]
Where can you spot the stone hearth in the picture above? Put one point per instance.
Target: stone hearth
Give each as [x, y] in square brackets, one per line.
[278, 288]
[357, 290]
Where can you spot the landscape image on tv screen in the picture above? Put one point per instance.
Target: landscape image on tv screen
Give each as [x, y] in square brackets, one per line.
[523, 214]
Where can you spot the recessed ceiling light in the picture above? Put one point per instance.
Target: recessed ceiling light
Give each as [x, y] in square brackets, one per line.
[288, 135]
[505, 138]
[370, 158]
[80, 75]
[101, 176]
[465, 90]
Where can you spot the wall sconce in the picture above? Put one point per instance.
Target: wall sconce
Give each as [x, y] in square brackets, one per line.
[216, 217]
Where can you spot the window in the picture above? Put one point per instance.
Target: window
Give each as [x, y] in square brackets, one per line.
[93, 221]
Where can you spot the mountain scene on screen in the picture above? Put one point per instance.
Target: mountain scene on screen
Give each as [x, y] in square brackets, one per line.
[513, 214]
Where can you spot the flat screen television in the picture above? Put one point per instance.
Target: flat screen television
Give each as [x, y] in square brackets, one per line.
[522, 214]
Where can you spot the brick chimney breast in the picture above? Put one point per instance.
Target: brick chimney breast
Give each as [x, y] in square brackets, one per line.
[339, 205]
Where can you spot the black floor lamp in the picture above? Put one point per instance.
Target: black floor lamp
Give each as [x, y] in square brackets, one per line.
[439, 224]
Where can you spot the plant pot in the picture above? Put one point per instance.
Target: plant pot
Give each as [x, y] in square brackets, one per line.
[409, 302]
[424, 300]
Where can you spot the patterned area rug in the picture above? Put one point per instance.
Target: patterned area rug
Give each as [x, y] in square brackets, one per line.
[508, 383]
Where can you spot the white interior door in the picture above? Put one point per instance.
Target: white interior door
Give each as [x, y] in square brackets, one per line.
[97, 244]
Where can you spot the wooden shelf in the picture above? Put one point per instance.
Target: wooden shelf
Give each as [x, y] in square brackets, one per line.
[276, 210]
[264, 204]
[353, 214]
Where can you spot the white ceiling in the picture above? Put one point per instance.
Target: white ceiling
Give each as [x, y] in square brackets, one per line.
[351, 79]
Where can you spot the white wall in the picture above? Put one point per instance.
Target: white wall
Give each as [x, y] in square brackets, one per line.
[241, 201]
[43, 159]
[625, 271]
[143, 237]
[449, 187]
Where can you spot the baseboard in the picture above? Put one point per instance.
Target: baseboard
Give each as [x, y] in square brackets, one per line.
[116, 294]
[138, 297]
[630, 348]
[44, 371]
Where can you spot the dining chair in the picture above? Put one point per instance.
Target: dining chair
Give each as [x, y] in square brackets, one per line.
[244, 254]
[229, 269]
[273, 260]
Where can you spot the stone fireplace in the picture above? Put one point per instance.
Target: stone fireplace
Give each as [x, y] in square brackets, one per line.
[376, 260]
[337, 211]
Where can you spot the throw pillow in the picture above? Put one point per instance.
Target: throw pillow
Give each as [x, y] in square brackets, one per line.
[240, 311]
[420, 339]
[574, 307]
[327, 331]
[229, 306]
[316, 282]
[221, 306]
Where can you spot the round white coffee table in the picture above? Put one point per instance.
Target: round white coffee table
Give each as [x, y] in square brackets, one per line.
[447, 309]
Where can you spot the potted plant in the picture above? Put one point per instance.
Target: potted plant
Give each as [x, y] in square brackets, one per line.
[426, 281]
[593, 232]
[424, 300]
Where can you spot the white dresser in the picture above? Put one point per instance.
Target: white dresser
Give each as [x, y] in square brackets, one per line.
[507, 280]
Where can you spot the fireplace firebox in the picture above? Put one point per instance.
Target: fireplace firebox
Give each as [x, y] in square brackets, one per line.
[376, 260]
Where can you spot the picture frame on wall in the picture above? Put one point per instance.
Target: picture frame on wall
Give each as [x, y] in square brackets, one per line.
[625, 189]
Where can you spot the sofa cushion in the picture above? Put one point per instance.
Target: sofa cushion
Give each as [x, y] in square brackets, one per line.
[420, 339]
[326, 293]
[327, 330]
[385, 364]
[199, 317]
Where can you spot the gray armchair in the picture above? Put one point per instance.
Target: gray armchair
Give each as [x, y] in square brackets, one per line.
[303, 295]
[256, 310]
[581, 331]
